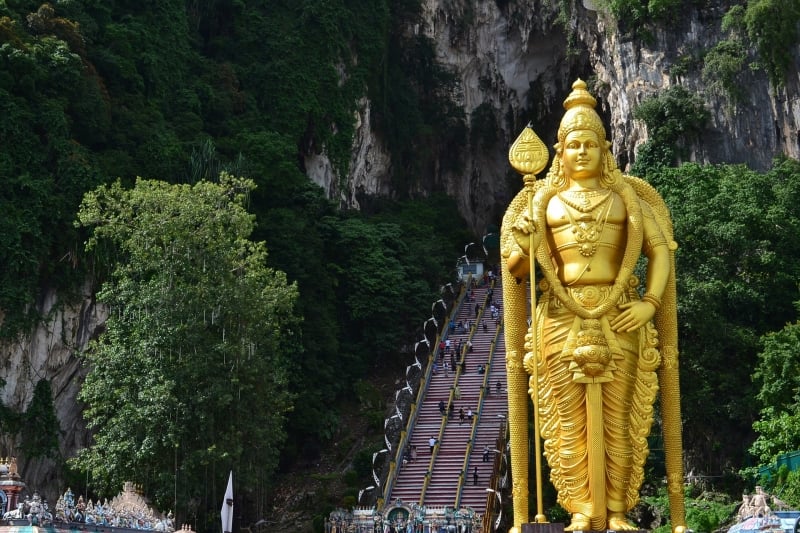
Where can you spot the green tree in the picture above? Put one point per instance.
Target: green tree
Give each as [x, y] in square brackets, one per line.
[722, 68]
[778, 381]
[788, 486]
[40, 426]
[94, 90]
[377, 286]
[705, 511]
[45, 167]
[189, 379]
[772, 27]
[674, 119]
[738, 263]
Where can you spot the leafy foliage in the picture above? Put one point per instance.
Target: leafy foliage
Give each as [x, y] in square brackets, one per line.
[772, 27]
[738, 262]
[94, 91]
[786, 484]
[778, 381]
[354, 271]
[193, 366]
[44, 170]
[34, 432]
[722, 67]
[674, 119]
[635, 16]
[705, 511]
[40, 426]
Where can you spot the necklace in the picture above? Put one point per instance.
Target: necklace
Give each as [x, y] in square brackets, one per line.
[587, 230]
[584, 201]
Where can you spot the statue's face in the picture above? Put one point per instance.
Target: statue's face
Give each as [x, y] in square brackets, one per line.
[581, 156]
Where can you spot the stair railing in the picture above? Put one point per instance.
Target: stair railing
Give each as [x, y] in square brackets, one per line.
[496, 485]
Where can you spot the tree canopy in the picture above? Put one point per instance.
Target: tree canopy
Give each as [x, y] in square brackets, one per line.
[778, 380]
[190, 377]
[99, 91]
[738, 264]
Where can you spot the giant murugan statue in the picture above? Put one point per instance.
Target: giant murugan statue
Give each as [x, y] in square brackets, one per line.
[599, 345]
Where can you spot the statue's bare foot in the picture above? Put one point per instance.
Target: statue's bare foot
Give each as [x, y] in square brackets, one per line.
[618, 522]
[580, 522]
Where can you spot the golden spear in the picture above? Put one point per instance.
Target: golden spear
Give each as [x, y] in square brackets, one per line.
[528, 156]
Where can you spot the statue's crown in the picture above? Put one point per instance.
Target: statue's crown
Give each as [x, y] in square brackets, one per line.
[580, 113]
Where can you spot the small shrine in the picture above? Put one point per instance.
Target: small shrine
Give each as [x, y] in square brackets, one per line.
[757, 516]
[400, 517]
[129, 510]
[11, 486]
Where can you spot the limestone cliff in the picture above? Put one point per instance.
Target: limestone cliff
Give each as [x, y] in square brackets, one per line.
[51, 351]
[512, 57]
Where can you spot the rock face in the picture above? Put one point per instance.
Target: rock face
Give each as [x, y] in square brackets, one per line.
[512, 57]
[51, 351]
[369, 165]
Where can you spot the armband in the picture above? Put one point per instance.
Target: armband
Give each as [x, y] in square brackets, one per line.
[652, 299]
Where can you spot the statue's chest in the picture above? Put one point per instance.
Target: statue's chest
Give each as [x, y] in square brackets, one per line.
[566, 210]
[585, 226]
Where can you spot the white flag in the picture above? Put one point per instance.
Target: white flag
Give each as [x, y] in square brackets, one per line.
[227, 507]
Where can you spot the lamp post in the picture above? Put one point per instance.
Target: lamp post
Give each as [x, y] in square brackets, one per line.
[364, 491]
[500, 506]
[374, 473]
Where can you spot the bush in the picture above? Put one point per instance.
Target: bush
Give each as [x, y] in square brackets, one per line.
[722, 66]
[674, 118]
[704, 513]
[772, 27]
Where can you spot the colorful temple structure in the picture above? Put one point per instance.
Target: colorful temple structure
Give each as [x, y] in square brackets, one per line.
[128, 511]
[755, 515]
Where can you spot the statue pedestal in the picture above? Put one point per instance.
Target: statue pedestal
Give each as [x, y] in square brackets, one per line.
[559, 528]
[543, 528]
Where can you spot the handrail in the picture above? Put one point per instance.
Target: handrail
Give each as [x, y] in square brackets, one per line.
[432, 460]
[457, 376]
[494, 482]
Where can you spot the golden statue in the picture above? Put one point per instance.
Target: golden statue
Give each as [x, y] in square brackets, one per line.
[595, 354]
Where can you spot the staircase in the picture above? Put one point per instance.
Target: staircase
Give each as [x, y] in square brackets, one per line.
[449, 469]
[493, 413]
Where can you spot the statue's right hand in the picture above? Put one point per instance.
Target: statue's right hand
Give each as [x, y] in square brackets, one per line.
[522, 230]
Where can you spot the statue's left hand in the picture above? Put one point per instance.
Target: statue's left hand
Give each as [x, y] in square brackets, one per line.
[634, 316]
